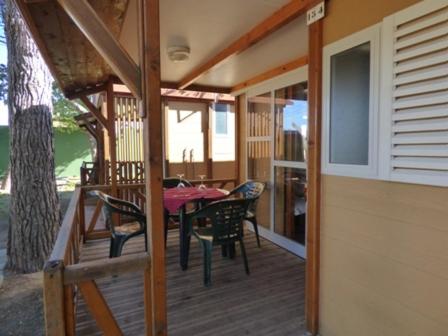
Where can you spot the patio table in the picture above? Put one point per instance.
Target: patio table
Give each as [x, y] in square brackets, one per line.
[176, 199]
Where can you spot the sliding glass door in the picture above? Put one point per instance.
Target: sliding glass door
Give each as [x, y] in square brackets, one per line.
[277, 129]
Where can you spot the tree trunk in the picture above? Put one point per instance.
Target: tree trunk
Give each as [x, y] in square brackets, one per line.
[34, 207]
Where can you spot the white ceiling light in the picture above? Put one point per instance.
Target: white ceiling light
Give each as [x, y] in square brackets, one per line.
[178, 54]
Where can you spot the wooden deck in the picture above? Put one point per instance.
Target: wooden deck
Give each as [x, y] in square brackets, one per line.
[268, 302]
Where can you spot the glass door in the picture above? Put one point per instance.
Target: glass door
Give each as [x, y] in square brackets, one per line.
[289, 163]
[277, 130]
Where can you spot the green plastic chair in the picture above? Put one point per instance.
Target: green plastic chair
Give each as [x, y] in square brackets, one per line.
[225, 228]
[251, 191]
[134, 225]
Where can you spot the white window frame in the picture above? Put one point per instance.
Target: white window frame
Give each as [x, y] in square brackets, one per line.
[372, 35]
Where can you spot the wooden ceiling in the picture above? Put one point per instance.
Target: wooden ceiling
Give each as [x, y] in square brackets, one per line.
[207, 26]
[74, 62]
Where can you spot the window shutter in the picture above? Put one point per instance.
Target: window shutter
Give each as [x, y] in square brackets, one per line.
[414, 120]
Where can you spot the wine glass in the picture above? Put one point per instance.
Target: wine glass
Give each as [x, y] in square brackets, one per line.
[202, 185]
[181, 184]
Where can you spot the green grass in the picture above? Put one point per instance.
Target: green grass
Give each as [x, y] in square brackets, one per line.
[71, 149]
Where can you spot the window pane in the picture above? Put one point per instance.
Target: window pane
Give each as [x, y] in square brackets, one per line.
[349, 106]
[290, 203]
[259, 115]
[184, 132]
[221, 118]
[258, 169]
[291, 122]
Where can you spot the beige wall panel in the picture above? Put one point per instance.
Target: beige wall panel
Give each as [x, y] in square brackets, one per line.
[384, 267]
[355, 309]
[369, 233]
[345, 17]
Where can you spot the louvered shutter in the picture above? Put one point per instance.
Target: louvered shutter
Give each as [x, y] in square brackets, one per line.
[414, 120]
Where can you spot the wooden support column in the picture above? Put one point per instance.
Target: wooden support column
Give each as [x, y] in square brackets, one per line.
[112, 139]
[237, 112]
[208, 161]
[100, 155]
[151, 110]
[314, 176]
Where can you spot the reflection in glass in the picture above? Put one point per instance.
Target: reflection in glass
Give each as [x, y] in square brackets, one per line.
[259, 169]
[291, 122]
[259, 115]
[290, 203]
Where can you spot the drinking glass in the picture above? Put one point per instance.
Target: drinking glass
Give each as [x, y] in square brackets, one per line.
[202, 185]
[181, 184]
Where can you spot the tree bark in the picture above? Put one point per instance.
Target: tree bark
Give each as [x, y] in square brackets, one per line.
[34, 208]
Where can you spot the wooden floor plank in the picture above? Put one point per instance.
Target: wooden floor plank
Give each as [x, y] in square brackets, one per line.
[270, 301]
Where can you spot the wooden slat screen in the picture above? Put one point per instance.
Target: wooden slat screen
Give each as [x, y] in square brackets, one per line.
[129, 129]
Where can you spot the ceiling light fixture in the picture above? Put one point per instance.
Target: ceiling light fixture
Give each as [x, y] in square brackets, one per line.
[178, 54]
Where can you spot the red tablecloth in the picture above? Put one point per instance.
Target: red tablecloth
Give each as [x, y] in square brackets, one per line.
[174, 198]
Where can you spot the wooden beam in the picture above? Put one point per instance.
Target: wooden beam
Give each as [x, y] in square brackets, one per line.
[95, 111]
[87, 91]
[314, 176]
[151, 108]
[277, 71]
[92, 130]
[269, 25]
[91, 270]
[99, 309]
[197, 87]
[91, 25]
[168, 99]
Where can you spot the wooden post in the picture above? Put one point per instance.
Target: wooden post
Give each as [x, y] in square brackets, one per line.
[100, 153]
[112, 139]
[151, 110]
[148, 299]
[314, 176]
[82, 215]
[54, 298]
[237, 112]
[208, 161]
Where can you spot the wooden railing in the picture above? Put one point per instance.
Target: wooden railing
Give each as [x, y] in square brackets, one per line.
[127, 172]
[89, 173]
[65, 275]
